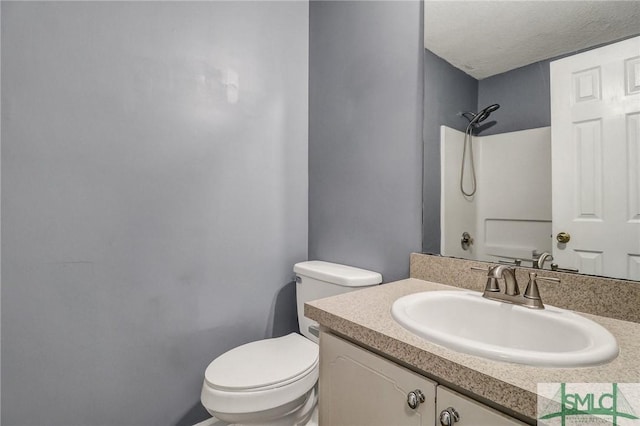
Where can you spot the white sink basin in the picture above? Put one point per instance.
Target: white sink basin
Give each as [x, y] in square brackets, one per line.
[467, 322]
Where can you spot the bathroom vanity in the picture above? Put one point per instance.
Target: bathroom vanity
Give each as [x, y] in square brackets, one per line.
[375, 372]
[358, 387]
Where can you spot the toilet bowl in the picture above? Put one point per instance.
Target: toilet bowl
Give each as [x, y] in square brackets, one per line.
[274, 381]
[262, 381]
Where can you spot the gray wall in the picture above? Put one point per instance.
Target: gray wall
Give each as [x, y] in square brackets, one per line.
[148, 222]
[447, 92]
[523, 95]
[365, 153]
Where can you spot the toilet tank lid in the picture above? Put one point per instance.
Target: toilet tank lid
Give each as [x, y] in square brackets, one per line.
[343, 275]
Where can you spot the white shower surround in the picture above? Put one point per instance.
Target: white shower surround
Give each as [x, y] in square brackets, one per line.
[510, 215]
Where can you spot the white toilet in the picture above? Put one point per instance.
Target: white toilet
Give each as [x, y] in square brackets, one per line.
[273, 381]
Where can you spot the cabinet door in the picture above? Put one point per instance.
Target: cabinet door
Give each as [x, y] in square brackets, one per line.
[472, 413]
[358, 387]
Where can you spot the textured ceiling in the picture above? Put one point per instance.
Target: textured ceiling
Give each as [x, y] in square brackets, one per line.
[484, 38]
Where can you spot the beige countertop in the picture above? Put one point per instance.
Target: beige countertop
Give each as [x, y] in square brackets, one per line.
[365, 317]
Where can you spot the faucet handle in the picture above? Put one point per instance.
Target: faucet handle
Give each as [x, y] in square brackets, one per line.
[532, 294]
[532, 291]
[555, 280]
[555, 267]
[475, 268]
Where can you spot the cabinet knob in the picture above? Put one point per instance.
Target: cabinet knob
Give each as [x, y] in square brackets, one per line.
[449, 416]
[415, 398]
[563, 237]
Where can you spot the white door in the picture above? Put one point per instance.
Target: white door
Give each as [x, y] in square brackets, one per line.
[595, 133]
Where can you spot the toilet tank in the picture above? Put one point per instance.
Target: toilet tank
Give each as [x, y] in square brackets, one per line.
[316, 279]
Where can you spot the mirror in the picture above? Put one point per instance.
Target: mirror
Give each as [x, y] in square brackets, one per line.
[480, 53]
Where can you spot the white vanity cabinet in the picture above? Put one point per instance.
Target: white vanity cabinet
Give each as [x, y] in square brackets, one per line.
[470, 412]
[358, 387]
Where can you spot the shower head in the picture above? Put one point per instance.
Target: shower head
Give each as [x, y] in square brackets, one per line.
[480, 116]
[484, 114]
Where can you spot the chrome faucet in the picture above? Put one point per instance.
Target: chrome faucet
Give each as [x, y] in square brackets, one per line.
[540, 258]
[531, 297]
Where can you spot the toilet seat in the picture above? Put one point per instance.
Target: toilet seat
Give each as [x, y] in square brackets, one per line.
[264, 364]
[261, 375]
